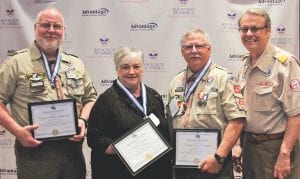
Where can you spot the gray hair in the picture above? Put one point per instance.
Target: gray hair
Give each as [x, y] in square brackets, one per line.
[257, 12]
[195, 31]
[127, 53]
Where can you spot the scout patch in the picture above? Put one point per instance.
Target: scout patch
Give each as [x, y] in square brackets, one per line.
[35, 76]
[295, 85]
[268, 72]
[231, 78]
[264, 84]
[240, 102]
[236, 89]
[203, 97]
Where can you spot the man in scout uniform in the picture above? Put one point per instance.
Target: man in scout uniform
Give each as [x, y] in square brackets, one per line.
[44, 73]
[205, 95]
[270, 82]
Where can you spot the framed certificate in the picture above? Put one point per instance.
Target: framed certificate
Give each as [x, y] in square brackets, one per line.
[141, 146]
[56, 119]
[195, 145]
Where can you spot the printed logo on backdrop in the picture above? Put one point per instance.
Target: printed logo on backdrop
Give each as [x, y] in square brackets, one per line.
[235, 57]
[8, 171]
[281, 38]
[103, 48]
[5, 140]
[9, 19]
[229, 22]
[2, 132]
[95, 12]
[270, 2]
[183, 10]
[11, 52]
[144, 27]
[106, 83]
[153, 63]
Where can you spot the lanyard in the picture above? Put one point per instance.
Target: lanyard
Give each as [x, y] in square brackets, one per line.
[188, 92]
[133, 99]
[52, 76]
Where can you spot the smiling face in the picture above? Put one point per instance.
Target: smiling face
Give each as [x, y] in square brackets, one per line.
[130, 72]
[196, 50]
[49, 30]
[255, 42]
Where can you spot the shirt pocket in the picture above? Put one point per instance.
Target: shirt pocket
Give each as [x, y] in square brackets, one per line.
[74, 84]
[263, 99]
[209, 106]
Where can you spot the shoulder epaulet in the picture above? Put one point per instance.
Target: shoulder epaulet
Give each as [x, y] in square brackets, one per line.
[14, 52]
[180, 72]
[221, 68]
[71, 54]
[282, 57]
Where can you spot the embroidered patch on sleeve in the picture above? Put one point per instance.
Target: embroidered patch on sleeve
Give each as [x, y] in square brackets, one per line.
[295, 85]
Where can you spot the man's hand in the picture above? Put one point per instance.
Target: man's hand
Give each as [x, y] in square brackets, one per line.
[79, 137]
[24, 136]
[282, 166]
[211, 165]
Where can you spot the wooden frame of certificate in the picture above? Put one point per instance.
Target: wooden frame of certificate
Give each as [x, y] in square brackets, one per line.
[194, 145]
[56, 119]
[141, 146]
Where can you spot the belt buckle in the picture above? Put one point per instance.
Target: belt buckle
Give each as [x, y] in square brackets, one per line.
[260, 137]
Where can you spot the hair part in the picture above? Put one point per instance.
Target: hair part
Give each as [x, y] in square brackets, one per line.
[195, 31]
[257, 12]
[127, 53]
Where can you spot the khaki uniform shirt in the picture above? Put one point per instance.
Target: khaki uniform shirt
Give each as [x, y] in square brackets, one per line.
[24, 80]
[271, 89]
[215, 100]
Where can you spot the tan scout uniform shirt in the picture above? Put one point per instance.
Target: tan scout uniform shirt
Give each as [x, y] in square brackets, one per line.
[24, 80]
[215, 100]
[272, 91]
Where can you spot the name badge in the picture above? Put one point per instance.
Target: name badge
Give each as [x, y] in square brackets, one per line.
[154, 119]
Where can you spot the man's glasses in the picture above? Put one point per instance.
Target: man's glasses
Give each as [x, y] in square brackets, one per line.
[47, 26]
[197, 47]
[245, 30]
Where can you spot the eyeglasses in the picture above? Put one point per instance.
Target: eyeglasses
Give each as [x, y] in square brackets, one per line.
[191, 46]
[245, 30]
[47, 26]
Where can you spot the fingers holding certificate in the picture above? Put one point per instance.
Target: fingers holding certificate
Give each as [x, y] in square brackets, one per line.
[141, 147]
[56, 119]
[193, 146]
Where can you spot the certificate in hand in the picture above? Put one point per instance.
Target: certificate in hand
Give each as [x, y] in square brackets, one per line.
[56, 119]
[195, 145]
[141, 147]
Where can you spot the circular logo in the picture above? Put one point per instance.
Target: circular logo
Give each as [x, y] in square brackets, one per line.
[55, 132]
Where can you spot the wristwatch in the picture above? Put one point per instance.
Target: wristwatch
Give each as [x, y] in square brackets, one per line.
[219, 158]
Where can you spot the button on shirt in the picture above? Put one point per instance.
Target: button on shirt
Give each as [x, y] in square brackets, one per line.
[220, 101]
[269, 93]
[26, 81]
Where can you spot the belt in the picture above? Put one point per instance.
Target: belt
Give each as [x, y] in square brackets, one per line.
[261, 137]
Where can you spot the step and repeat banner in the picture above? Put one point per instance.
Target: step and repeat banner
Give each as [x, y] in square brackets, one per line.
[95, 29]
